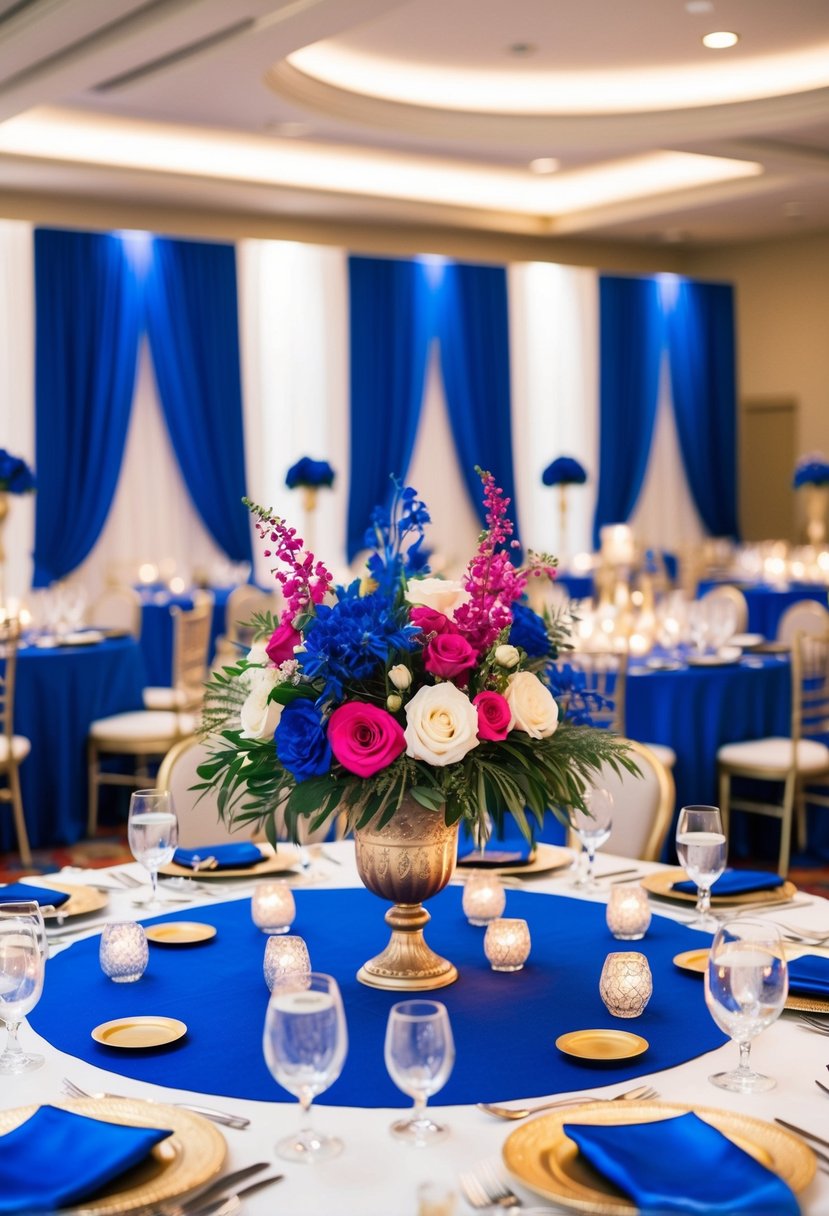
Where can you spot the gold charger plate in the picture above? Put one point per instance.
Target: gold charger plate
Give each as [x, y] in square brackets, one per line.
[190, 1157]
[544, 1159]
[180, 933]
[696, 962]
[139, 1033]
[546, 857]
[272, 863]
[602, 1045]
[81, 899]
[661, 884]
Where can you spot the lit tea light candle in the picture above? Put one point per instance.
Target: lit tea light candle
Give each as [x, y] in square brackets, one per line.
[124, 952]
[507, 944]
[626, 984]
[484, 898]
[285, 956]
[628, 913]
[272, 907]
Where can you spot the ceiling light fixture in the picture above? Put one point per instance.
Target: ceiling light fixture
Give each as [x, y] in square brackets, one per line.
[544, 164]
[720, 40]
[695, 7]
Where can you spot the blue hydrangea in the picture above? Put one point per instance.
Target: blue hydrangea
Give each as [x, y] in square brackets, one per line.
[15, 475]
[564, 471]
[529, 632]
[569, 687]
[308, 472]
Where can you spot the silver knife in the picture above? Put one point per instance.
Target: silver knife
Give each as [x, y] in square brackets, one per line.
[216, 1206]
[800, 1131]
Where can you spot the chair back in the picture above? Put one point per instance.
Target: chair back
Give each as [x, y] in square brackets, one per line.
[806, 616]
[191, 640]
[9, 639]
[199, 822]
[729, 594]
[643, 807]
[594, 685]
[242, 603]
[117, 608]
[810, 686]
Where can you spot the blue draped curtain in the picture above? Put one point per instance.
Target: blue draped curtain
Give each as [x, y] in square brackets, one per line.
[193, 331]
[630, 346]
[474, 353]
[88, 318]
[390, 322]
[700, 329]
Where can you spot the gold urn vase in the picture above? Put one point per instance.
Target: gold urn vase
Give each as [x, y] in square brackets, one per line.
[407, 861]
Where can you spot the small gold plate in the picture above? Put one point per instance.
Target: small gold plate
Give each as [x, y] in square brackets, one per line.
[662, 882]
[546, 857]
[180, 933]
[136, 1034]
[287, 858]
[697, 960]
[602, 1045]
[81, 899]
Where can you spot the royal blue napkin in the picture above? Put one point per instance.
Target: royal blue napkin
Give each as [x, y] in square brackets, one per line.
[228, 856]
[682, 1165]
[809, 975]
[57, 1157]
[514, 853]
[16, 892]
[736, 882]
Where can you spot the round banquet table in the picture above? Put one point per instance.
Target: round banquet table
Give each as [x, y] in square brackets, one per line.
[157, 628]
[766, 603]
[376, 1175]
[60, 691]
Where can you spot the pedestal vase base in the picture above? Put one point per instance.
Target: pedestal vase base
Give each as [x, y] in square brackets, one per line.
[407, 964]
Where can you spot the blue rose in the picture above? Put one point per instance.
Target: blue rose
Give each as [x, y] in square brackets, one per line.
[529, 632]
[308, 472]
[301, 742]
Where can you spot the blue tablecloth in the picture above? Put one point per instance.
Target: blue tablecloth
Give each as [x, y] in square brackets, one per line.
[767, 604]
[217, 989]
[157, 629]
[59, 692]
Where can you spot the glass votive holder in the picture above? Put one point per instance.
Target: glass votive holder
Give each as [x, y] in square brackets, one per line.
[507, 944]
[436, 1199]
[124, 952]
[285, 956]
[272, 907]
[628, 913]
[626, 984]
[484, 898]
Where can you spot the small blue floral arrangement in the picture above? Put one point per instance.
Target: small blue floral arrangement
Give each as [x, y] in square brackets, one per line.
[15, 475]
[564, 471]
[309, 473]
[811, 470]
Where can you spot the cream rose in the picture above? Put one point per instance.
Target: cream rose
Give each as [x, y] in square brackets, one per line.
[259, 717]
[441, 725]
[262, 674]
[506, 656]
[533, 706]
[439, 594]
[400, 676]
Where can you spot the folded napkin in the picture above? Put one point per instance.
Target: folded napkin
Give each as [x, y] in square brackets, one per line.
[736, 882]
[505, 853]
[682, 1165]
[809, 975]
[227, 856]
[57, 1157]
[16, 892]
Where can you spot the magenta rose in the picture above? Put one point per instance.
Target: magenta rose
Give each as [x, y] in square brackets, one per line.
[281, 646]
[449, 655]
[430, 621]
[494, 715]
[364, 738]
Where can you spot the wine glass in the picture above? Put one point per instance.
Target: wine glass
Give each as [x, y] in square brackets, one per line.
[305, 1044]
[152, 832]
[698, 625]
[701, 849]
[746, 984]
[592, 826]
[420, 1053]
[21, 983]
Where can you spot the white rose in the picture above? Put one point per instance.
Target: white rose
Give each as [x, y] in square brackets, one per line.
[440, 594]
[441, 725]
[400, 676]
[533, 706]
[507, 656]
[263, 674]
[259, 716]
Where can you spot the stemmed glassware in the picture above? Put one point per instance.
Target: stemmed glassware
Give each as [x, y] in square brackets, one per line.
[698, 625]
[593, 826]
[305, 1044]
[746, 984]
[152, 832]
[701, 849]
[420, 1054]
[22, 960]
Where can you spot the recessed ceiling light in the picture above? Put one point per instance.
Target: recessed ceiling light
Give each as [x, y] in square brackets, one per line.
[699, 6]
[544, 164]
[522, 48]
[719, 40]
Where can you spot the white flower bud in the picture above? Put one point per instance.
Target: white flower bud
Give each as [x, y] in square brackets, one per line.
[393, 702]
[400, 676]
[506, 656]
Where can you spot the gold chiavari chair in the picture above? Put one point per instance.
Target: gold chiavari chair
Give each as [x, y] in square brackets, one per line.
[13, 748]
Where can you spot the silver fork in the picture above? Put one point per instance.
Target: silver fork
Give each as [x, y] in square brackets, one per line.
[486, 1189]
[217, 1116]
[814, 1023]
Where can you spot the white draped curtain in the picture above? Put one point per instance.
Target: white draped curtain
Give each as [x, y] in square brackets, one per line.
[17, 392]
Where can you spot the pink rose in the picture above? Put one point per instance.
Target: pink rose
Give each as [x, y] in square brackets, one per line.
[364, 738]
[281, 646]
[449, 655]
[430, 621]
[494, 715]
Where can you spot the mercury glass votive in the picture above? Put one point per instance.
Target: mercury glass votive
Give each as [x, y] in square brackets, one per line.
[285, 956]
[628, 913]
[507, 944]
[484, 898]
[626, 984]
[124, 952]
[272, 907]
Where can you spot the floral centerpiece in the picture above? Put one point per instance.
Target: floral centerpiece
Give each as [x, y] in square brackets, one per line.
[811, 474]
[15, 478]
[402, 702]
[564, 471]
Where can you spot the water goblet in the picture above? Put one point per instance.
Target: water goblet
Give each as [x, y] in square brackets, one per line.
[698, 625]
[701, 849]
[305, 1044]
[152, 832]
[592, 826]
[420, 1053]
[746, 984]
[21, 983]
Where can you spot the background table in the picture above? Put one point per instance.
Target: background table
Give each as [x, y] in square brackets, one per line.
[766, 604]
